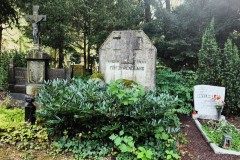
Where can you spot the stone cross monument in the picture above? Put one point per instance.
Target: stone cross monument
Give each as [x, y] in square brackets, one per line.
[37, 59]
[37, 64]
[35, 19]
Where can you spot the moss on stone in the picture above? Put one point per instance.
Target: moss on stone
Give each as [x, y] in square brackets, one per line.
[97, 75]
[128, 82]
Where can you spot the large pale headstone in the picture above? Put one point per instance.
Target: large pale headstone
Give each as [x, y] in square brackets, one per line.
[203, 103]
[128, 55]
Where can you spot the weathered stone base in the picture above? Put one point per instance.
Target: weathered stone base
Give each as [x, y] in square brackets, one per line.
[32, 89]
[210, 117]
[21, 88]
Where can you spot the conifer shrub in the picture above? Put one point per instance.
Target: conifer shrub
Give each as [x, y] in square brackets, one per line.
[220, 68]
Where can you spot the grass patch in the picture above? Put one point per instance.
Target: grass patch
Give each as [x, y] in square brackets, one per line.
[216, 129]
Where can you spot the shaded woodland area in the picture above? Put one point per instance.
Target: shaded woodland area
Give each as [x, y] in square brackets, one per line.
[79, 27]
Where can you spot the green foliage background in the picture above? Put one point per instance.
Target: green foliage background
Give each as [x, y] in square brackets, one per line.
[18, 60]
[220, 68]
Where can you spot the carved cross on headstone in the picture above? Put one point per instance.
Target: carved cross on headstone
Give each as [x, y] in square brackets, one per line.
[35, 19]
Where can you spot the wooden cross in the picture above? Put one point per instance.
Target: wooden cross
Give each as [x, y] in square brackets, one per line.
[35, 19]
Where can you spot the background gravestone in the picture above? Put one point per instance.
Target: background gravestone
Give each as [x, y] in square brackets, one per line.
[202, 100]
[128, 55]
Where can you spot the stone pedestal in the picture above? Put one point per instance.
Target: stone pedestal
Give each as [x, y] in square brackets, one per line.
[37, 64]
[30, 110]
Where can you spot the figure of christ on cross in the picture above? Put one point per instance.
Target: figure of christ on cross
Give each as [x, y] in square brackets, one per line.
[35, 33]
[35, 19]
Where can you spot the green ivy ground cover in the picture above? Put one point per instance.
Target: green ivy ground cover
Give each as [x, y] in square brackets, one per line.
[90, 119]
[10, 118]
[14, 130]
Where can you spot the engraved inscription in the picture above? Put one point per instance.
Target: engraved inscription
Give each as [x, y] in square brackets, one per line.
[126, 68]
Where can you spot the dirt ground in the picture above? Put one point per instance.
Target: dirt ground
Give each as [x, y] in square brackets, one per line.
[197, 148]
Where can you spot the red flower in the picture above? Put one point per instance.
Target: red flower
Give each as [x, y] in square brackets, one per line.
[217, 97]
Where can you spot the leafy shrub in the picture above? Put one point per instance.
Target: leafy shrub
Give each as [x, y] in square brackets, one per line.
[26, 136]
[13, 130]
[178, 84]
[127, 148]
[18, 61]
[126, 91]
[10, 118]
[96, 111]
[4, 64]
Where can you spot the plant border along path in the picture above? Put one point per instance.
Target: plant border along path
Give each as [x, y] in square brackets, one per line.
[216, 149]
[197, 147]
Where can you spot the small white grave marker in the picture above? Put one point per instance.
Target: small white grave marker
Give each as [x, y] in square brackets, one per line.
[202, 100]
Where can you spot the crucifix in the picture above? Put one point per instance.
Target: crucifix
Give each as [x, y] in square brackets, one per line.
[35, 19]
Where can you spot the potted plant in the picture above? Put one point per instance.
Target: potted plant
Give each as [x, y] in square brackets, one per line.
[219, 103]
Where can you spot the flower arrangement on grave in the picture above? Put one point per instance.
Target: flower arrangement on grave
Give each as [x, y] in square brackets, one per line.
[219, 103]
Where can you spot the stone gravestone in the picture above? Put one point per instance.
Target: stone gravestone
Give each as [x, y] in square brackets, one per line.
[202, 100]
[37, 60]
[128, 55]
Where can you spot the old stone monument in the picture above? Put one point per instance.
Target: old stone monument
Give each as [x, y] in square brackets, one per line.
[128, 55]
[37, 60]
[35, 19]
[37, 64]
[203, 95]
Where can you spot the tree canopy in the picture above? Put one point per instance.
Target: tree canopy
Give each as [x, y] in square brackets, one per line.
[81, 26]
[8, 16]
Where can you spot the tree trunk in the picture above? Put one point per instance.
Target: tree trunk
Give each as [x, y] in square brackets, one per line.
[168, 5]
[85, 49]
[61, 57]
[148, 14]
[1, 29]
[89, 59]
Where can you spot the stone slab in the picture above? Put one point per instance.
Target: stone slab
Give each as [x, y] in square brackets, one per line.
[36, 71]
[128, 55]
[202, 100]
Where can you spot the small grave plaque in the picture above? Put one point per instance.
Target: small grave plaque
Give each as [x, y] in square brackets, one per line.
[203, 103]
[128, 55]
